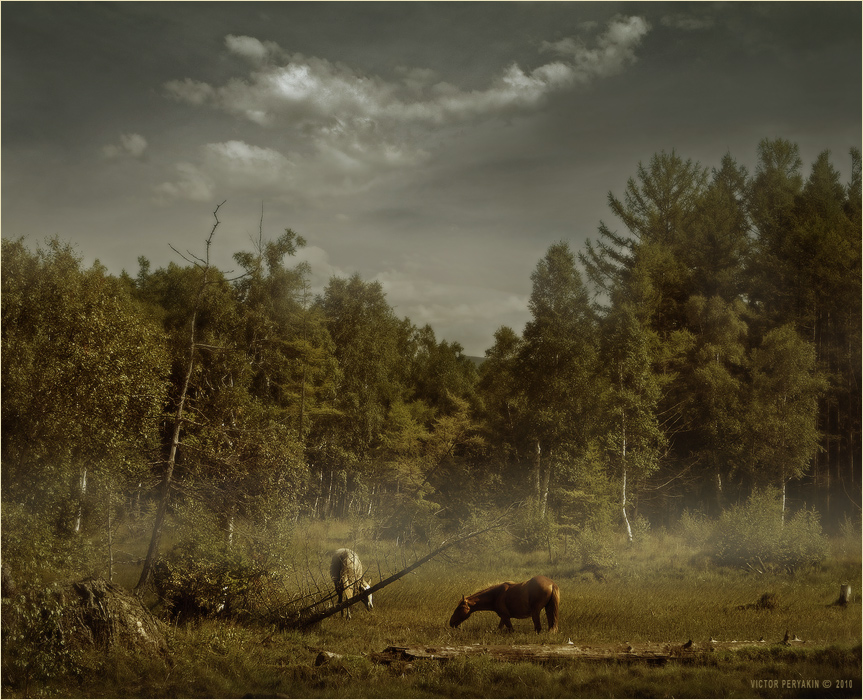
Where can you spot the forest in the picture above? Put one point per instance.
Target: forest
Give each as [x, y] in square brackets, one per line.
[702, 351]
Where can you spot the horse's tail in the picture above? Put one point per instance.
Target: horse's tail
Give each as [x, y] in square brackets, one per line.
[552, 608]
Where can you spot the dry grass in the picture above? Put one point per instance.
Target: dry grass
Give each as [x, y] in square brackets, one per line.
[663, 591]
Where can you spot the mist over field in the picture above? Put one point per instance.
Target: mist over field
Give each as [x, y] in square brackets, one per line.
[479, 291]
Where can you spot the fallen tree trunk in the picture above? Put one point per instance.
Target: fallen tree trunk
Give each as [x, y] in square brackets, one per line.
[650, 653]
[304, 618]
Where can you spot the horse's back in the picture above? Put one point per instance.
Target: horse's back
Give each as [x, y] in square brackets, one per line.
[541, 584]
[345, 565]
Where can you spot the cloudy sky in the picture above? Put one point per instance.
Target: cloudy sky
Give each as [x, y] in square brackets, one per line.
[438, 148]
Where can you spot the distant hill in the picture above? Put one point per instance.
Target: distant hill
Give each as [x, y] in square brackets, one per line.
[476, 360]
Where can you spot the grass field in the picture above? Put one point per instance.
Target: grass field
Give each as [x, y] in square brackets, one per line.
[659, 592]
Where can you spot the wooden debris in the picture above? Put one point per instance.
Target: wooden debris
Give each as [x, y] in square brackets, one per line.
[325, 657]
[649, 653]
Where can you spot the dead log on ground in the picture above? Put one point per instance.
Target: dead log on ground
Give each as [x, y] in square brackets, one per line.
[306, 617]
[653, 654]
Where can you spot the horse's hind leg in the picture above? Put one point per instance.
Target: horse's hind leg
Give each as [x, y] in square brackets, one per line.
[537, 624]
[552, 610]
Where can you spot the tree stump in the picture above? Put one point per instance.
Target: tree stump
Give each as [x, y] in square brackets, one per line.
[844, 595]
[108, 616]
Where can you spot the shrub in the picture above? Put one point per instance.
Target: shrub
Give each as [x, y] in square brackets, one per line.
[595, 550]
[532, 530]
[35, 640]
[753, 535]
[36, 550]
[204, 574]
[411, 520]
[193, 583]
[696, 529]
[640, 530]
[849, 540]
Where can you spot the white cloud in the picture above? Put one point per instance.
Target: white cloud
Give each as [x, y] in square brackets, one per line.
[244, 166]
[614, 49]
[232, 164]
[192, 91]
[356, 129]
[132, 145]
[250, 48]
[313, 90]
[322, 270]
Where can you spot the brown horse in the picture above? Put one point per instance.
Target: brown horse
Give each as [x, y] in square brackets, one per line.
[518, 600]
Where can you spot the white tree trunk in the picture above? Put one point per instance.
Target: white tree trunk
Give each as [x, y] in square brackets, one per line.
[783, 502]
[82, 494]
[623, 488]
[623, 510]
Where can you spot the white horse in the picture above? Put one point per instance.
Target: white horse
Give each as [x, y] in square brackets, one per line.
[346, 570]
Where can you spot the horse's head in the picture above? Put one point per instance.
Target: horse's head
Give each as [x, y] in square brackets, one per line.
[367, 601]
[461, 613]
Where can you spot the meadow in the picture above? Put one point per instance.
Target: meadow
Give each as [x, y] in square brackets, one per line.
[661, 591]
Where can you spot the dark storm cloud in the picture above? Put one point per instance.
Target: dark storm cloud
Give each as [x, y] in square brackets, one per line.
[437, 147]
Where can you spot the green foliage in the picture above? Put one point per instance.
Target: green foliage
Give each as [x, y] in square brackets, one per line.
[783, 434]
[368, 339]
[727, 358]
[36, 641]
[533, 530]
[850, 538]
[754, 535]
[203, 576]
[39, 545]
[411, 519]
[696, 529]
[83, 377]
[595, 549]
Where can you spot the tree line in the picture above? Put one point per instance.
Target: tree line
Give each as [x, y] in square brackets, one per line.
[705, 344]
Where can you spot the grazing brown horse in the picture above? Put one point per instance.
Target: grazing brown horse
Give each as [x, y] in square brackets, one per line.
[518, 600]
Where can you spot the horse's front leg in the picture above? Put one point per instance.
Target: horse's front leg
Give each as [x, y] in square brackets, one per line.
[505, 623]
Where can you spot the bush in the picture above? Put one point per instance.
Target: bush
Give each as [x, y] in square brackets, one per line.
[35, 640]
[411, 520]
[849, 540]
[204, 574]
[695, 529]
[532, 530]
[36, 550]
[595, 550]
[752, 535]
[640, 527]
[193, 584]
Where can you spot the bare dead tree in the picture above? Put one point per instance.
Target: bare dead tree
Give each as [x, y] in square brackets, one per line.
[152, 552]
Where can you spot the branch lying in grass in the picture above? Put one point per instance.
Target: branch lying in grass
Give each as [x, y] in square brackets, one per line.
[304, 618]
